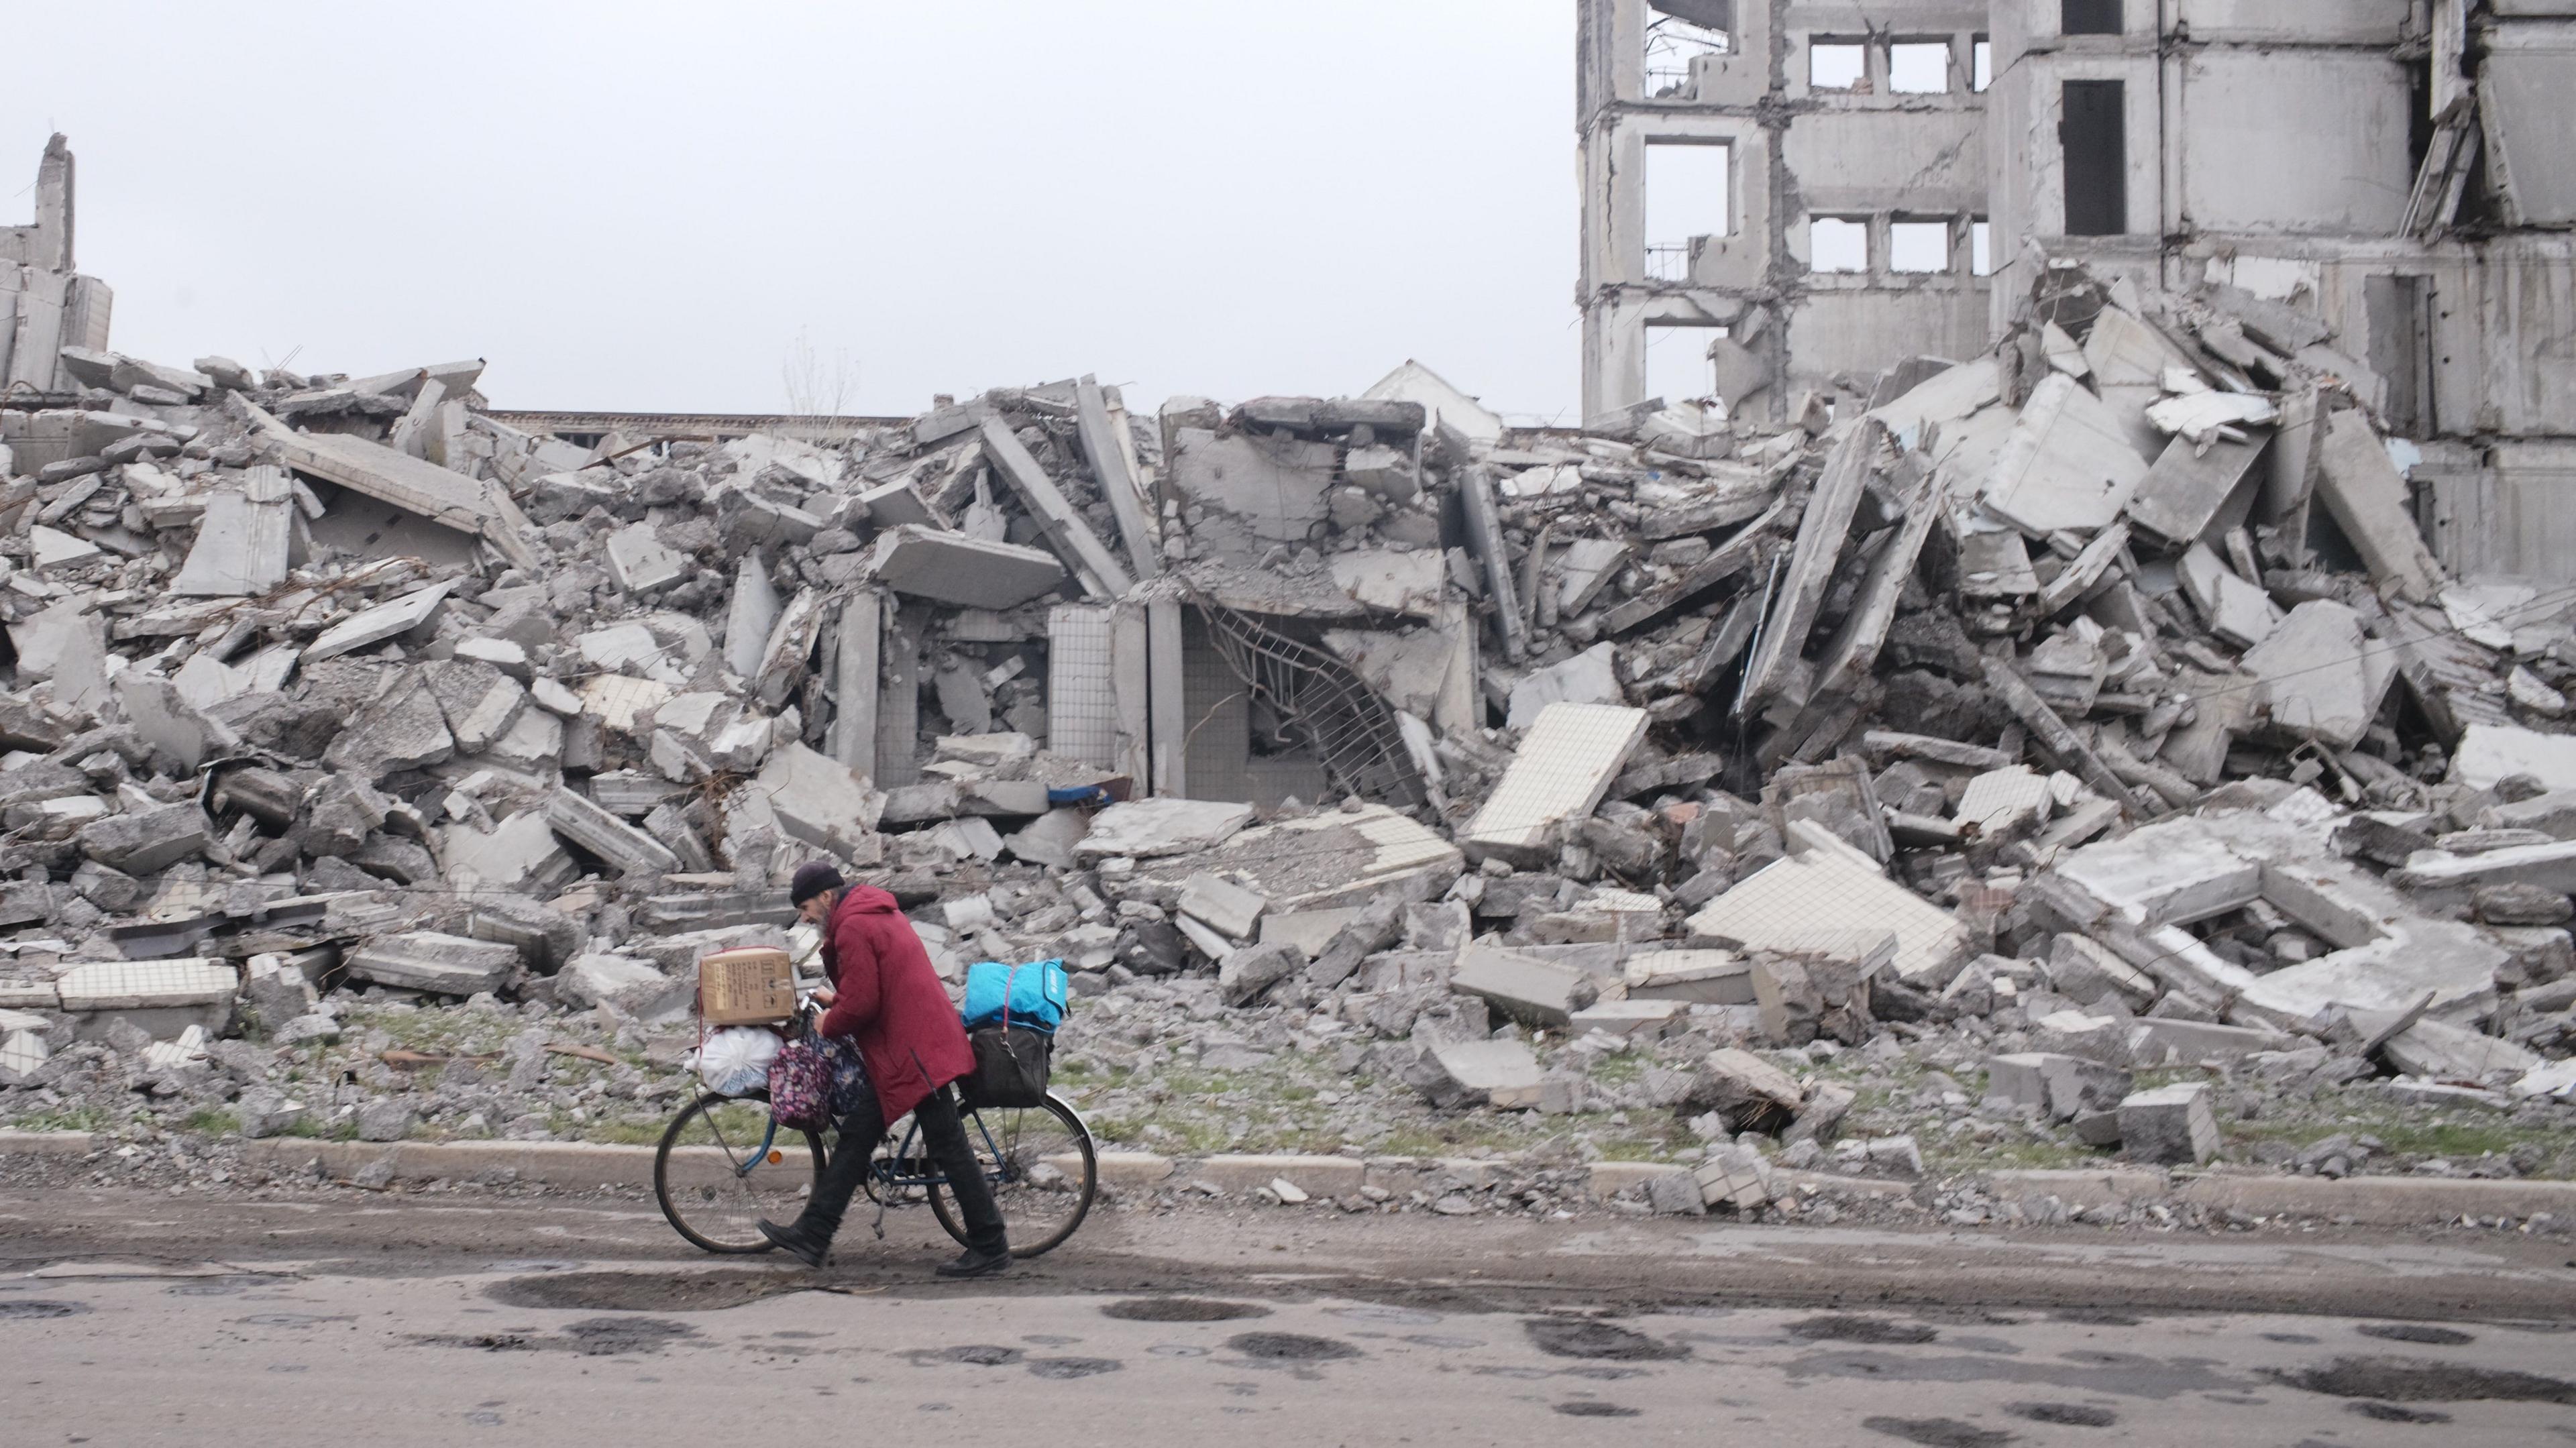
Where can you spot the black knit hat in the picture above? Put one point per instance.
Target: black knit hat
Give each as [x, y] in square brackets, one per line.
[813, 880]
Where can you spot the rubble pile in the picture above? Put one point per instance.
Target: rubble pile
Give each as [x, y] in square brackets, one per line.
[2081, 711]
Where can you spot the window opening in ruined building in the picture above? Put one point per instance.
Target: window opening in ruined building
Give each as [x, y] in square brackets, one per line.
[1981, 65]
[1838, 244]
[1919, 68]
[1687, 197]
[1981, 248]
[2089, 17]
[1918, 247]
[1678, 367]
[2095, 135]
[1837, 65]
[1672, 44]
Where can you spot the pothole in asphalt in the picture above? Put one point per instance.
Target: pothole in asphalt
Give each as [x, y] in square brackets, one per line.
[2391, 1413]
[1290, 1347]
[2418, 1380]
[643, 1291]
[1065, 1369]
[2065, 1415]
[1595, 1410]
[2415, 1332]
[1873, 1330]
[40, 1309]
[2094, 1317]
[213, 1287]
[977, 1354]
[1390, 1316]
[1578, 1337]
[1181, 1309]
[616, 1336]
[1938, 1432]
[590, 1337]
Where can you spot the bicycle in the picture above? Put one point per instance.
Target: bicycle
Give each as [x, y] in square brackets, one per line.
[724, 1164]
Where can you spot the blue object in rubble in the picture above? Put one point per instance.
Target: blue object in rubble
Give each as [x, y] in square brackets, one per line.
[1032, 995]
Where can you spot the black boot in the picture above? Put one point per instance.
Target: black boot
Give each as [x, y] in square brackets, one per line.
[797, 1242]
[976, 1264]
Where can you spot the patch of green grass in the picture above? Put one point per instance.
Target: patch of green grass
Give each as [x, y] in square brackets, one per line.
[2418, 1134]
[1966, 1153]
[213, 1122]
[628, 1131]
[69, 1118]
[1621, 1069]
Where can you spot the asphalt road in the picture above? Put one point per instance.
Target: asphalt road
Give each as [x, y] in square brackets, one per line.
[332, 1318]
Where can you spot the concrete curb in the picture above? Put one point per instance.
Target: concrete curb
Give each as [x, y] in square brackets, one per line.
[2364, 1201]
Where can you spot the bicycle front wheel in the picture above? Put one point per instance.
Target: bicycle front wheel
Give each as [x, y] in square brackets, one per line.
[720, 1170]
[1042, 1169]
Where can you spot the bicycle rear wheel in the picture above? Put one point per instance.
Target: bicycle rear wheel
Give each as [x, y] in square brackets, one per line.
[1042, 1168]
[720, 1171]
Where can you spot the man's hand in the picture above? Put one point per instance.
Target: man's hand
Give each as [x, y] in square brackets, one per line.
[824, 995]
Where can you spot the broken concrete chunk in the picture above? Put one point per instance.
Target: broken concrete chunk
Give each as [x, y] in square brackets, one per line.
[2368, 499]
[375, 625]
[146, 842]
[2317, 675]
[1749, 1092]
[425, 960]
[2169, 1125]
[1500, 1074]
[640, 562]
[1524, 988]
[1222, 906]
[621, 846]
[1246, 975]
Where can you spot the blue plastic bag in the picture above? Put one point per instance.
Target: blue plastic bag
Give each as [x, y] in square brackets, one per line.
[1033, 995]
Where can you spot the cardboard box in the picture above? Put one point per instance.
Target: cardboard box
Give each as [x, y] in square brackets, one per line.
[751, 986]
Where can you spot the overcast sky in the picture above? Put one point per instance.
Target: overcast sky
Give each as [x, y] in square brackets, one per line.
[645, 205]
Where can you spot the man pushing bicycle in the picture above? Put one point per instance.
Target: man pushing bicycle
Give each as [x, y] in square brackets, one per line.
[885, 997]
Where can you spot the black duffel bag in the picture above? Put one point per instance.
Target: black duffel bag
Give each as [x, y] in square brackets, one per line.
[1011, 1067]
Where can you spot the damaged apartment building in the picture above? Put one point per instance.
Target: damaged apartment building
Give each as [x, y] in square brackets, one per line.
[1784, 198]
[45, 305]
[2086, 694]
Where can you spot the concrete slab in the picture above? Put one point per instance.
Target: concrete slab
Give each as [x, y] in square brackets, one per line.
[2069, 463]
[143, 985]
[375, 625]
[1557, 776]
[1146, 829]
[426, 960]
[1786, 905]
[955, 569]
[2183, 492]
[2234, 609]
[1590, 677]
[2489, 752]
[2369, 500]
[1325, 861]
[2315, 674]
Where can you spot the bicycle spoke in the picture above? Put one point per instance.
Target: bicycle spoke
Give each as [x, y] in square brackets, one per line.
[716, 1182]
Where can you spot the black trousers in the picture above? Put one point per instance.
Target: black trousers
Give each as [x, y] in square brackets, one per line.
[943, 1133]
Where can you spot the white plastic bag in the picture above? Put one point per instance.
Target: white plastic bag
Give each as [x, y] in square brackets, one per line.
[736, 1059]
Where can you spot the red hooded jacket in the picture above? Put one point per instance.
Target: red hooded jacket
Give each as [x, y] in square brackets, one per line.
[890, 1001]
